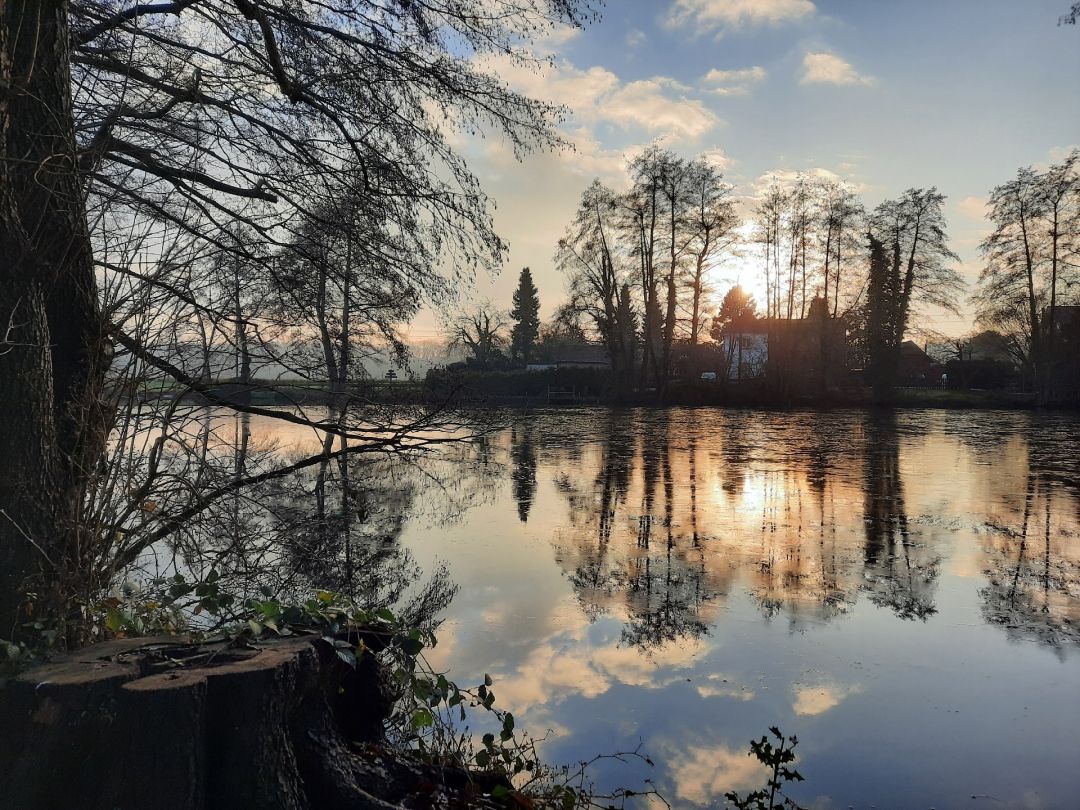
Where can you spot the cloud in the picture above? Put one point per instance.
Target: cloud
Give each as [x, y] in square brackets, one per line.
[973, 208]
[717, 158]
[635, 37]
[711, 15]
[645, 104]
[732, 82]
[828, 68]
[658, 105]
[552, 41]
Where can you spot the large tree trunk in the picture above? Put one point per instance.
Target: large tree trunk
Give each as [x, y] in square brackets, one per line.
[51, 359]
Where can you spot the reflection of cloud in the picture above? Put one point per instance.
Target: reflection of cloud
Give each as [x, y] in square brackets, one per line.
[702, 774]
[814, 700]
[569, 666]
[719, 686]
[828, 68]
[627, 665]
[550, 675]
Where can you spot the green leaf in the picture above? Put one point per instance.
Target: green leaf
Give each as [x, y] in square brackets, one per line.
[422, 718]
[386, 615]
[410, 646]
[113, 620]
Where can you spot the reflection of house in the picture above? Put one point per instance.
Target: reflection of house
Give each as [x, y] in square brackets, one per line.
[574, 356]
[802, 355]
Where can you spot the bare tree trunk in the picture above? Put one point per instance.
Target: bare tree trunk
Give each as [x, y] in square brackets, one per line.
[51, 343]
[243, 356]
[345, 355]
[1050, 322]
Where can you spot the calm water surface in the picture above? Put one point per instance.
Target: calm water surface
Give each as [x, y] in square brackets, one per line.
[902, 591]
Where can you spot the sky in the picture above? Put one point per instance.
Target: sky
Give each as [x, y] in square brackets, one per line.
[888, 95]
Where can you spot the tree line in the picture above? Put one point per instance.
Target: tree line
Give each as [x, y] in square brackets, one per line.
[640, 264]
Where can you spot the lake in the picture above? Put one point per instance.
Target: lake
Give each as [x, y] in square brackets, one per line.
[900, 590]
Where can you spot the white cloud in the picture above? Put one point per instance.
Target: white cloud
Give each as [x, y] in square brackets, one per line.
[635, 37]
[553, 41]
[646, 105]
[717, 158]
[1058, 154]
[710, 15]
[828, 68]
[732, 82]
[658, 105]
[973, 208]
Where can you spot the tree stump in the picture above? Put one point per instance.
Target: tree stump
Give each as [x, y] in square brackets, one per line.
[162, 723]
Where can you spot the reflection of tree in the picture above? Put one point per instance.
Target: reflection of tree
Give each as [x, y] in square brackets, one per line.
[333, 524]
[642, 566]
[899, 573]
[523, 474]
[667, 594]
[1032, 575]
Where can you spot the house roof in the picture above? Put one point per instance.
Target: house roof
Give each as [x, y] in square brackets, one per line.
[585, 353]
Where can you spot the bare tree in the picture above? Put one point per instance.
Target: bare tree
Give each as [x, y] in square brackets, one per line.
[1030, 255]
[589, 255]
[712, 223]
[482, 330]
[841, 216]
[910, 265]
[210, 119]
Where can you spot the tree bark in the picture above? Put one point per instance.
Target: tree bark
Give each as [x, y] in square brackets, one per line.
[52, 361]
[158, 722]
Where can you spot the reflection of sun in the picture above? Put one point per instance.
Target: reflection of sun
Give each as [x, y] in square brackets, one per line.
[755, 493]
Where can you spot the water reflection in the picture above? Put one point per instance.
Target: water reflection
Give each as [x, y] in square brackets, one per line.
[667, 510]
[885, 585]
[285, 513]
[899, 571]
[691, 576]
[524, 470]
[1033, 571]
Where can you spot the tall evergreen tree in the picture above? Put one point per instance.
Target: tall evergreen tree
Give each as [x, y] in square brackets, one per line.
[526, 316]
[882, 317]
